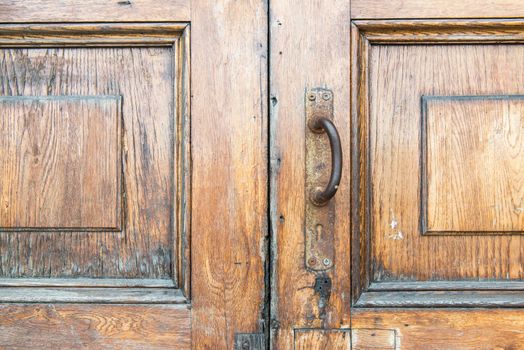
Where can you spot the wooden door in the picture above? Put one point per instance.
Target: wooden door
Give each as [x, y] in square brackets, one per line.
[425, 240]
[133, 179]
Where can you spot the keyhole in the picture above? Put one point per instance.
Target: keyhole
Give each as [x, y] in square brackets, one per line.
[319, 231]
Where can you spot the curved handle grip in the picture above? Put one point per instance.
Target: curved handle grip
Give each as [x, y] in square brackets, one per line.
[319, 125]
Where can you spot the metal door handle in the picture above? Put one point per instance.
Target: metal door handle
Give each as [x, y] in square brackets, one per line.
[319, 211]
[321, 125]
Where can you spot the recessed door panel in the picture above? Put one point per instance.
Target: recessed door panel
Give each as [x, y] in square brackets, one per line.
[439, 125]
[77, 164]
[446, 130]
[472, 162]
[61, 164]
[91, 154]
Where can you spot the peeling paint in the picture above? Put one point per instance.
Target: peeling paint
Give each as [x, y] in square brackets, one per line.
[396, 236]
[395, 233]
[393, 224]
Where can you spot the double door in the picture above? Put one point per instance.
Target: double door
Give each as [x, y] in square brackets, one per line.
[243, 174]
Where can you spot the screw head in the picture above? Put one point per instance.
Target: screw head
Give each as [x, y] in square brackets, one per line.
[245, 345]
[326, 96]
[312, 261]
[311, 96]
[326, 261]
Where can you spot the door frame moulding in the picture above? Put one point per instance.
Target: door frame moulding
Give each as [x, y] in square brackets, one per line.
[175, 35]
[365, 292]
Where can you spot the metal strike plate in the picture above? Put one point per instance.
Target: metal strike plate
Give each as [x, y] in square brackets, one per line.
[319, 220]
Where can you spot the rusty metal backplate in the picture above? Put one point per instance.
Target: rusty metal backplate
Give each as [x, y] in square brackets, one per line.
[319, 220]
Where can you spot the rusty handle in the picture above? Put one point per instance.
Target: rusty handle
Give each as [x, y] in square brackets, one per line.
[320, 125]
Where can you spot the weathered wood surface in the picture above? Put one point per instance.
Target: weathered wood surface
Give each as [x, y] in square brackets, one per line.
[229, 154]
[90, 34]
[60, 161]
[446, 285]
[144, 78]
[39, 326]
[388, 84]
[307, 51]
[345, 339]
[399, 76]
[94, 10]
[451, 329]
[373, 339]
[87, 282]
[473, 148]
[436, 9]
[493, 298]
[88, 295]
[318, 339]
[229, 140]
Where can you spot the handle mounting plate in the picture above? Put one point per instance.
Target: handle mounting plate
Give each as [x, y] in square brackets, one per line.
[319, 220]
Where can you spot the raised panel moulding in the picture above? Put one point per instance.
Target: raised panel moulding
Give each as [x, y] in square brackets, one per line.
[472, 164]
[61, 163]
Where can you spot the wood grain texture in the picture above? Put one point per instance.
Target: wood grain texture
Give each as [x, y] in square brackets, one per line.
[87, 282]
[360, 245]
[394, 151]
[307, 51]
[438, 298]
[182, 160]
[94, 10]
[90, 34]
[87, 295]
[144, 77]
[373, 339]
[61, 164]
[451, 329]
[442, 31]
[446, 285]
[319, 339]
[436, 9]
[344, 339]
[229, 180]
[42, 326]
[387, 101]
[473, 149]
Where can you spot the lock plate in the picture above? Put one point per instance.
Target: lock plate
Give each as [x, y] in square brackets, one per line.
[319, 220]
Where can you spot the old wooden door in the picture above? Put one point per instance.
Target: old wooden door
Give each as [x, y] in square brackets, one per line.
[133, 174]
[422, 245]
